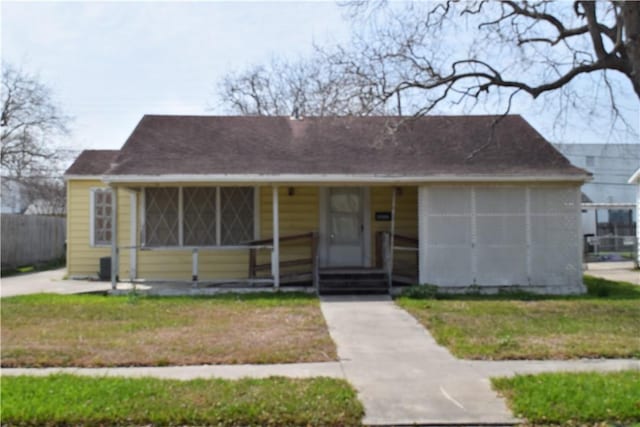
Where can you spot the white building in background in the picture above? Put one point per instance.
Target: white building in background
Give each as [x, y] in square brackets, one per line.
[611, 166]
[635, 181]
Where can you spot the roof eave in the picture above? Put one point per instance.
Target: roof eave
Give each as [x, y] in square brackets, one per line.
[69, 177]
[339, 178]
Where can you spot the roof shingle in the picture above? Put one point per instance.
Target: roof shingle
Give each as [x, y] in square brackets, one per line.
[92, 162]
[392, 146]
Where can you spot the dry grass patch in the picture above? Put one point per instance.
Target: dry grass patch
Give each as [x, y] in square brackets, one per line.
[91, 331]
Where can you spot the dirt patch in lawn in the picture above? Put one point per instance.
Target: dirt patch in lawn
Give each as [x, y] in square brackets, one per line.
[94, 331]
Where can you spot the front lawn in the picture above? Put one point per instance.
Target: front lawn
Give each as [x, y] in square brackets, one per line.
[603, 323]
[64, 400]
[574, 398]
[94, 330]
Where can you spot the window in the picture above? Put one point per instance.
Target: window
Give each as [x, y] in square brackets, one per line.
[101, 206]
[236, 218]
[591, 161]
[198, 216]
[161, 217]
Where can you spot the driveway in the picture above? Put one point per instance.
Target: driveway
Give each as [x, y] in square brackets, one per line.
[401, 374]
[616, 271]
[47, 281]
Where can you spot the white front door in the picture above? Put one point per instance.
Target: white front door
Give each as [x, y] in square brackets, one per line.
[345, 227]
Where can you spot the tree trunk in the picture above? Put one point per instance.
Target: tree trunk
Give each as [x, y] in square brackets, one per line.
[631, 23]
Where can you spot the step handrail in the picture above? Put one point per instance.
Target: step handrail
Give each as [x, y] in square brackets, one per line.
[312, 237]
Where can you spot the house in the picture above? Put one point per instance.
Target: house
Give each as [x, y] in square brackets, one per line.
[453, 201]
[608, 210]
[635, 179]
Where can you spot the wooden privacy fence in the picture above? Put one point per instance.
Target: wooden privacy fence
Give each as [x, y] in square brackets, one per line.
[30, 239]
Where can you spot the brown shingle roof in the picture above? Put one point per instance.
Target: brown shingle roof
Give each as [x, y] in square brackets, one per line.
[92, 162]
[424, 146]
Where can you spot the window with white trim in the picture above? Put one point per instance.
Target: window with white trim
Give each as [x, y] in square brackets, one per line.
[189, 216]
[101, 210]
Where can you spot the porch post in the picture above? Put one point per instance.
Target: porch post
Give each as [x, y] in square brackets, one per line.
[194, 267]
[275, 255]
[422, 234]
[391, 236]
[114, 237]
[133, 241]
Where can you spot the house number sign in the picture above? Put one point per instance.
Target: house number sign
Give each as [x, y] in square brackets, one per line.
[383, 216]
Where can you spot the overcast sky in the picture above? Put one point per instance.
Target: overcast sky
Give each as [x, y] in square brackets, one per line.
[110, 63]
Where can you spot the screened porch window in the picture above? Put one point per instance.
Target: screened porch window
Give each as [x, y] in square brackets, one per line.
[199, 216]
[236, 215]
[161, 216]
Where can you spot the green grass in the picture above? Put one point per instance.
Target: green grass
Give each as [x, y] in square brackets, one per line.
[603, 323]
[62, 400]
[574, 398]
[95, 330]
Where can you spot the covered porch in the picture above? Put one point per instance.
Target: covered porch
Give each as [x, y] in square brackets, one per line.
[207, 238]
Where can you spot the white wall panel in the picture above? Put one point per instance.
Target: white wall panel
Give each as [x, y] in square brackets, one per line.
[448, 200]
[448, 240]
[501, 230]
[501, 244]
[493, 235]
[449, 230]
[555, 237]
[500, 200]
[502, 266]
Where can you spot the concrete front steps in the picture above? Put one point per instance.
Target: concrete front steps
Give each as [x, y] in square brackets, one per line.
[352, 281]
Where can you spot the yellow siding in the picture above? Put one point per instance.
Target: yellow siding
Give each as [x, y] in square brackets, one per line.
[299, 213]
[82, 259]
[406, 210]
[406, 223]
[124, 232]
[176, 264]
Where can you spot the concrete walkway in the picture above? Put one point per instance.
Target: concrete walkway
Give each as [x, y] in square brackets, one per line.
[401, 374]
[51, 281]
[487, 369]
[231, 372]
[616, 271]
[47, 281]
[509, 368]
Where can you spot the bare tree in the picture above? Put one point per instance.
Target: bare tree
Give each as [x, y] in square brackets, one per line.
[30, 125]
[461, 51]
[578, 58]
[310, 87]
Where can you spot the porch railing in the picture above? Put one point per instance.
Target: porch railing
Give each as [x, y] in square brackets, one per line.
[311, 261]
[407, 265]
